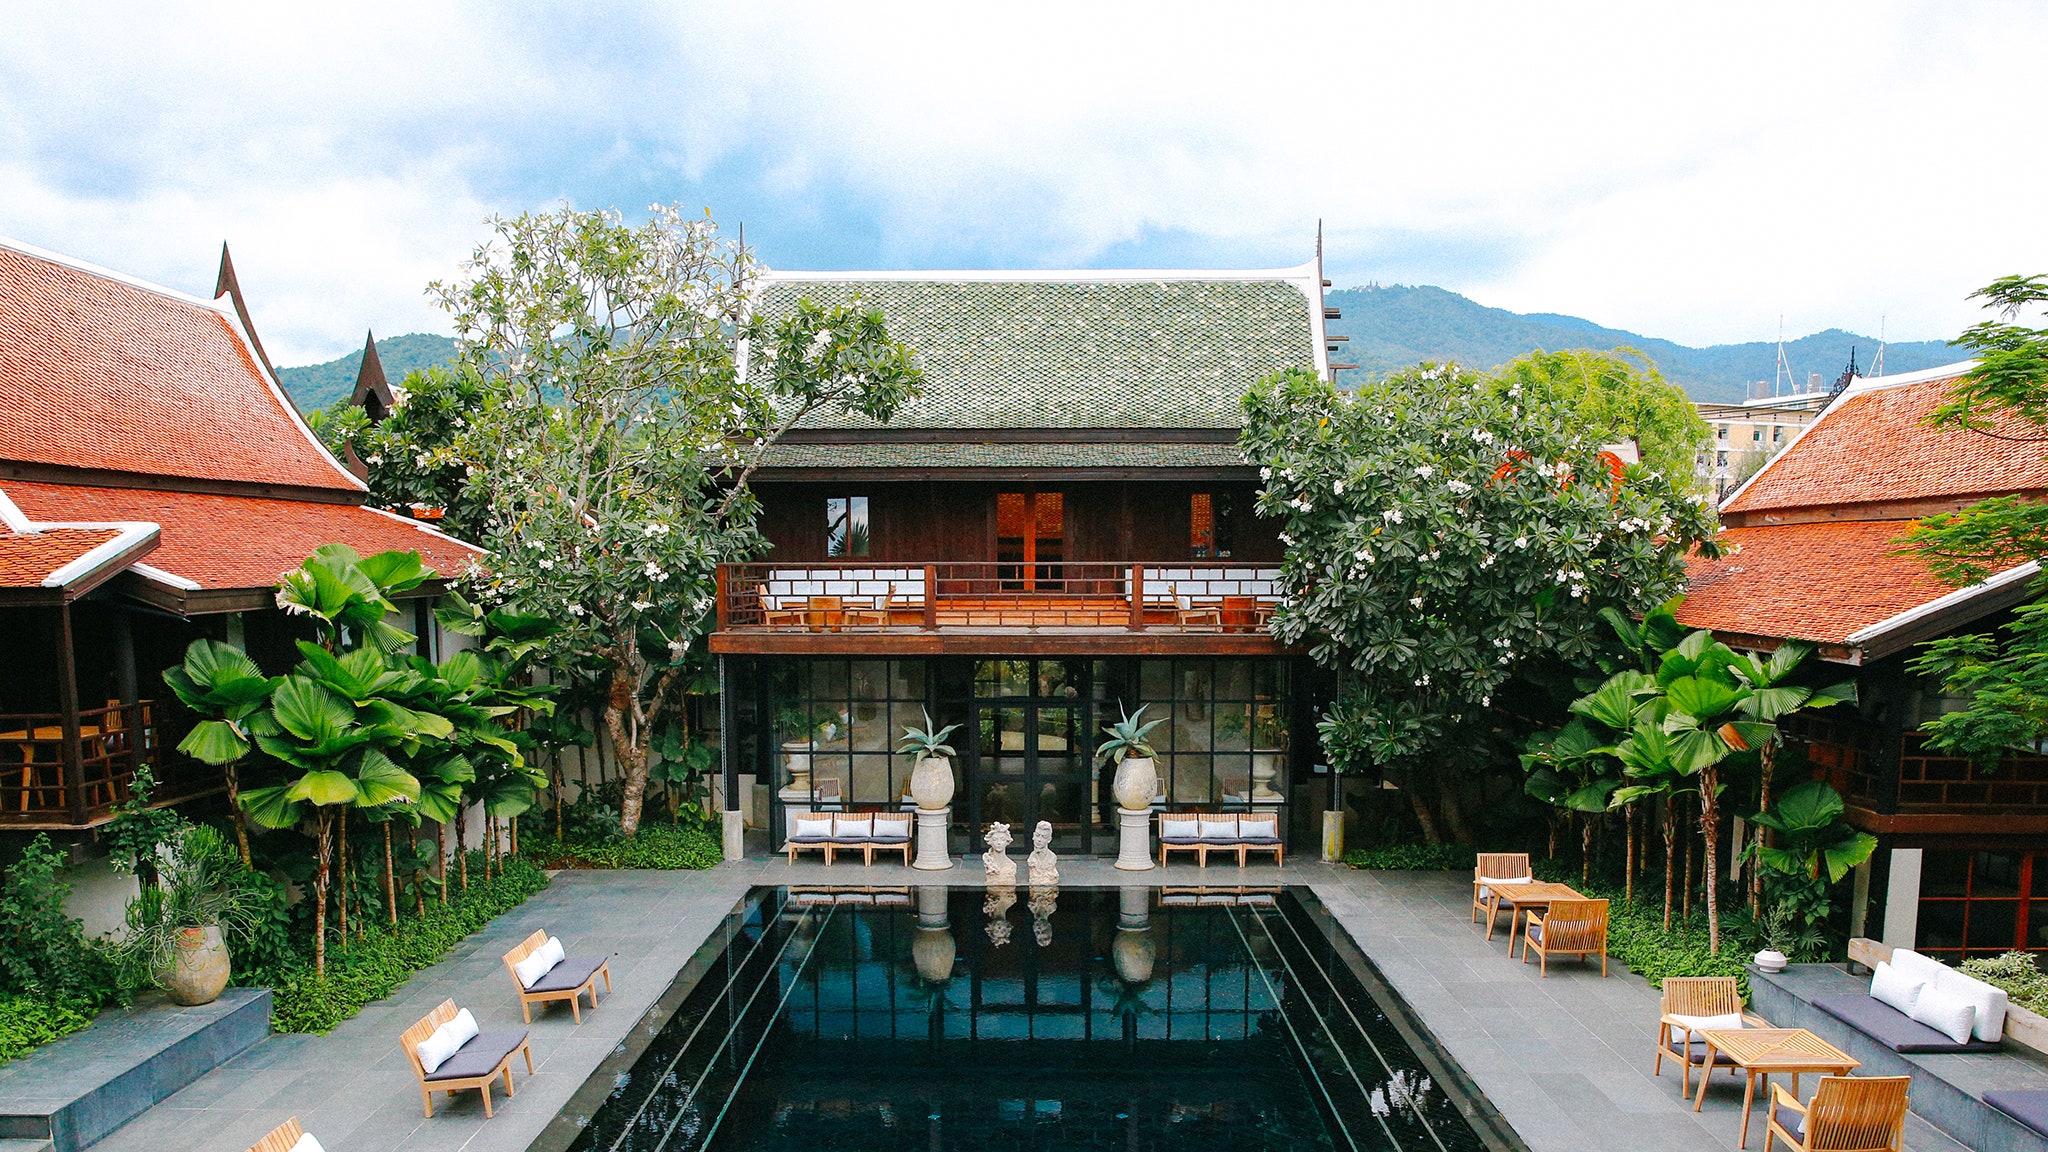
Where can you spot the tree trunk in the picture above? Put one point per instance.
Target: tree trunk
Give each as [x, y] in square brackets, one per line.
[1685, 877]
[236, 814]
[419, 893]
[341, 863]
[441, 858]
[1453, 808]
[1420, 804]
[1710, 827]
[323, 833]
[390, 877]
[462, 849]
[625, 734]
[1628, 867]
[1585, 847]
[1767, 762]
[1670, 827]
[558, 792]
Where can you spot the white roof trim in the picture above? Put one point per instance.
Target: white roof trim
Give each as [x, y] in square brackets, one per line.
[429, 530]
[1942, 604]
[132, 534]
[91, 269]
[169, 579]
[12, 516]
[1857, 387]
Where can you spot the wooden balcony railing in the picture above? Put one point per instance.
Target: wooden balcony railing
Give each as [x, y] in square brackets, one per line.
[42, 784]
[998, 596]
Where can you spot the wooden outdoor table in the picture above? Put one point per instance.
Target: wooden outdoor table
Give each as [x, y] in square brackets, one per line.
[1762, 1051]
[1536, 894]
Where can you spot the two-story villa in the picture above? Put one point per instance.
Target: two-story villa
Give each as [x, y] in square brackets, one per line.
[1060, 529]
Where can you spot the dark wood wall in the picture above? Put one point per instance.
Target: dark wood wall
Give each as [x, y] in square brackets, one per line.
[940, 520]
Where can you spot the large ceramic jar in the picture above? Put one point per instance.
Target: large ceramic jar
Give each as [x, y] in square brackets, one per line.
[1136, 783]
[931, 783]
[199, 967]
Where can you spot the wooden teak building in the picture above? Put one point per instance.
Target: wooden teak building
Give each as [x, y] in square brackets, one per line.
[1059, 530]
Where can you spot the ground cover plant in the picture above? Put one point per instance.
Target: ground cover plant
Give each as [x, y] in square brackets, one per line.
[2017, 973]
[53, 978]
[1637, 935]
[1412, 857]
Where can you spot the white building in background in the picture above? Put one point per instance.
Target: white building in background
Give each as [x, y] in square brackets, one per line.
[1743, 436]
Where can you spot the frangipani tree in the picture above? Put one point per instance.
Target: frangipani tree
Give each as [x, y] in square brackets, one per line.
[618, 431]
[1441, 535]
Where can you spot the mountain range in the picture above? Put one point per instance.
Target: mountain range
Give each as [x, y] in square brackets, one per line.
[1390, 327]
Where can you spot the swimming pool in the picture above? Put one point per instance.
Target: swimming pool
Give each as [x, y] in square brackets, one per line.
[969, 1018]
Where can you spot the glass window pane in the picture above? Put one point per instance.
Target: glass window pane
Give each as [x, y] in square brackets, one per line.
[1233, 727]
[1193, 782]
[1994, 925]
[1995, 874]
[1944, 874]
[1155, 680]
[1941, 924]
[871, 780]
[906, 679]
[1201, 527]
[835, 527]
[857, 526]
[1234, 679]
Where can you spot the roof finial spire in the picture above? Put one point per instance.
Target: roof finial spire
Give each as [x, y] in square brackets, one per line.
[227, 285]
[373, 389]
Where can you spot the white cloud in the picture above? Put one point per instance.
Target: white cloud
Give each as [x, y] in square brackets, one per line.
[1689, 172]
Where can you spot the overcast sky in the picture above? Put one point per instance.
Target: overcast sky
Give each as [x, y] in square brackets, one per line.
[1688, 171]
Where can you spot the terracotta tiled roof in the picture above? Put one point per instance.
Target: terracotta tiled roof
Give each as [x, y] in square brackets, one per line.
[28, 558]
[1874, 445]
[1820, 582]
[220, 542]
[101, 372]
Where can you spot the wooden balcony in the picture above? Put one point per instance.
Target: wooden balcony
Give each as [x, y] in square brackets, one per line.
[53, 777]
[997, 607]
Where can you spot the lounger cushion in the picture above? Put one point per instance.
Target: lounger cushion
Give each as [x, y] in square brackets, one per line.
[1259, 828]
[1952, 1016]
[567, 975]
[854, 828]
[813, 828]
[1696, 1051]
[532, 968]
[1224, 829]
[1176, 830]
[2029, 1107]
[1890, 1027]
[1693, 1024]
[484, 1052]
[1791, 1121]
[892, 828]
[1890, 986]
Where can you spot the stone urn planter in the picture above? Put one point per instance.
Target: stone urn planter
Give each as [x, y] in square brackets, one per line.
[931, 783]
[1770, 960]
[1265, 767]
[1133, 954]
[797, 754]
[198, 970]
[1136, 783]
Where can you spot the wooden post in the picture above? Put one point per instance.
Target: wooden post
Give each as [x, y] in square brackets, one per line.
[67, 703]
[1137, 597]
[720, 606]
[931, 597]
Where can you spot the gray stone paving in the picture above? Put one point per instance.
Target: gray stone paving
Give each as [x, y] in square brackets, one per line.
[1566, 1059]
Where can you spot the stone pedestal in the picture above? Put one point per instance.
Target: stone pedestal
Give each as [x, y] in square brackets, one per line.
[735, 833]
[1333, 837]
[931, 840]
[1134, 840]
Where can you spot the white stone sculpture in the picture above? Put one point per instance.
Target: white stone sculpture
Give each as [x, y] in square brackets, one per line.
[996, 908]
[1044, 902]
[996, 864]
[1043, 867]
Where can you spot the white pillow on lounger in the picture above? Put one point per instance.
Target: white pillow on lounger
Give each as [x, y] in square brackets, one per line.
[808, 827]
[1267, 826]
[1890, 986]
[850, 828]
[535, 966]
[1219, 829]
[306, 1143]
[1952, 1016]
[435, 1050]
[1178, 829]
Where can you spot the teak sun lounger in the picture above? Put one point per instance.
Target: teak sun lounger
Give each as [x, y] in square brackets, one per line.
[567, 980]
[485, 1057]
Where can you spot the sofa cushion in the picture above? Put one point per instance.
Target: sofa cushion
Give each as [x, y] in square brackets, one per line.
[535, 966]
[2028, 1106]
[1989, 1000]
[1173, 829]
[889, 829]
[1696, 1051]
[852, 827]
[1892, 987]
[812, 828]
[1791, 1121]
[1890, 1027]
[1690, 1024]
[1216, 828]
[484, 1052]
[1952, 1016]
[1263, 829]
[568, 974]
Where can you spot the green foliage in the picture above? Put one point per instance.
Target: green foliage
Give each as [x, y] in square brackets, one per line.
[2004, 678]
[929, 741]
[27, 1022]
[1616, 396]
[1127, 738]
[1412, 858]
[1636, 936]
[653, 846]
[2016, 972]
[316, 388]
[1812, 835]
[617, 433]
[44, 953]
[372, 967]
[138, 833]
[1445, 532]
[196, 891]
[418, 455]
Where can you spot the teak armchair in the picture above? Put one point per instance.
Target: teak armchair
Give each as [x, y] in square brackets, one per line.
[1494, 866]
[487, 1056]
[1696, 996]
[1847, 1114]
[1570, 928]
[280, 1138]
[568, 980]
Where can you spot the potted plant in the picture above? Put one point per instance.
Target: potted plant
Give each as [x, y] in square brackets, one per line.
[1137, 777]
[931, 777]
[1779, 938]
[1269, 743]
[176, 929]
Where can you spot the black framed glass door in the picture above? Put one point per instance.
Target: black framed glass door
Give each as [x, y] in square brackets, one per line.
[1032, 721]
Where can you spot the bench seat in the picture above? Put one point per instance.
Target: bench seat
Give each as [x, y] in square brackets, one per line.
[1891, 1027]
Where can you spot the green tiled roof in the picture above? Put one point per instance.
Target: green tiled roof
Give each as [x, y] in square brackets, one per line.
[1108, 353]
[1005, 455]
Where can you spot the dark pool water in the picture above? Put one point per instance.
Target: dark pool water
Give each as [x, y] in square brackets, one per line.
[934, 1018]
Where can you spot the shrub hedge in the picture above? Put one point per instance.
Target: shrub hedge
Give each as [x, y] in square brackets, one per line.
[1636, 935]
[371, 968]
[26, 1022]
[654, 846]
[1412, 857]
[2017, 973]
